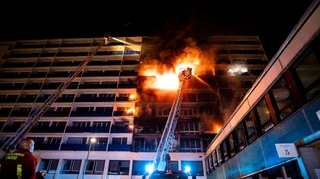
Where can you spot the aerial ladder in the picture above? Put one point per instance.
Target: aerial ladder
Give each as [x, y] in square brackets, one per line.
[10, 144]
[167, 138]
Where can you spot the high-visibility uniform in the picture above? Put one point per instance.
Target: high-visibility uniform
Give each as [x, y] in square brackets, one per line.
[20, 164]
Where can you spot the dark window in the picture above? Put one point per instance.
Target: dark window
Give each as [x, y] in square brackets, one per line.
[284, 99]
[239, 138]
[224, 151]
[308, 72]
[250, 129]
[48, 165]
[264, 116]
[70, 167]
[119, 167]
[232, 147]
[95, 167]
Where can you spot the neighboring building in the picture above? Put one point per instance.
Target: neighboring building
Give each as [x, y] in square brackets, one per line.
[100, 102]
[275, 130]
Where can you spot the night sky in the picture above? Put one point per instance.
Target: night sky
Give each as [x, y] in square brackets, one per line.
[271, 20]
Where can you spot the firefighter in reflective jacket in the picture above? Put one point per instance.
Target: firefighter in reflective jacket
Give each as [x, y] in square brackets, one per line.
[20, 164]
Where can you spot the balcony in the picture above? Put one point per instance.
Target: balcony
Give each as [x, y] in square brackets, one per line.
[43, 64]
[91, 113]
[26, 100]
[14, 75]
[71, 54]
[4, 112]
[105, 73]
[38, 75]
[33, 86]
[88, 129]
[94, 99]
[16, 65]
[97, 86]
[59, 64]
[49, 147]
[15, 86]
[119, 129]
[56, 85]
[127, 73]
[130, 62]
[56, 114]
[55, 129]
[9, 100]
[119, 147]
[19, 114]
[127, 86]
[12, 128]
[122, 98]
[58, 100]
[97, 63]
[122, 113]
[84, 147]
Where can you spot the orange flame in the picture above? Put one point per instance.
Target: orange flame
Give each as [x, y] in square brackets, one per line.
[169, 79]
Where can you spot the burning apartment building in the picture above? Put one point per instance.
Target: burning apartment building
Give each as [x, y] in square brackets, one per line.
[122, 98]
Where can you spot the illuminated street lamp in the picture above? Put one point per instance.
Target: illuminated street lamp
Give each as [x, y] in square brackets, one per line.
[92, 140]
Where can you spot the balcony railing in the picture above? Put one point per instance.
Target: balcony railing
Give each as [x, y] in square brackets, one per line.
[105, 73]
[84, 147]
[118, 129]
[21, 75]
[19, 114]
[91, 113]
[124, 73]
[33, 86]
[119, 147]
[127, 86]
[97, 63]
[58, 100]
[122, 113]
[94, 99]
[49, 146]
[88, 129]
[16, 86]
[99, 86]
[56, 114]
[26, 100]
[55, 129]
[9, 100]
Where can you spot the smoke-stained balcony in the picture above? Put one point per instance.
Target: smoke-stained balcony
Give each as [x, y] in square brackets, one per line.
[123, 113]
[121, 129]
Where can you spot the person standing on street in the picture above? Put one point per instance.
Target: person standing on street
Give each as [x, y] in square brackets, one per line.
[20, 164]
